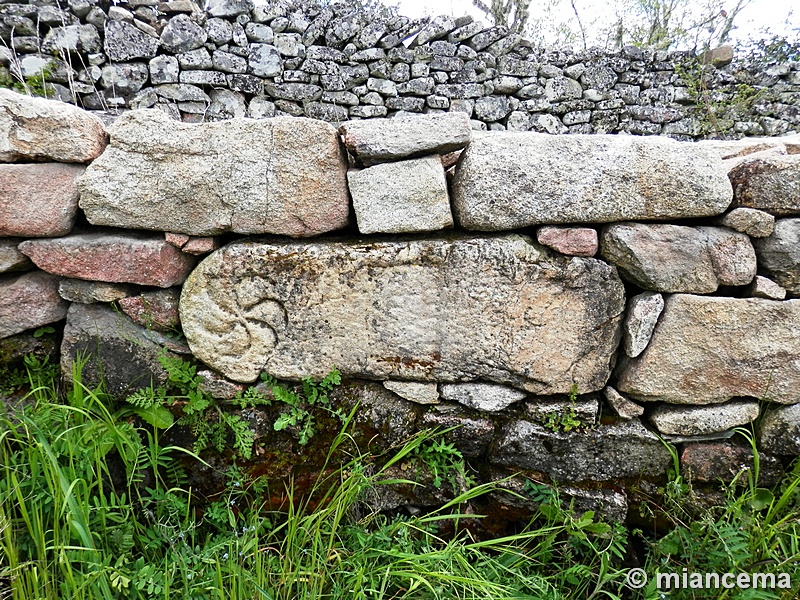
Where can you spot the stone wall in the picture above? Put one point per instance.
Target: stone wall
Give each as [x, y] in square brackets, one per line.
[307, 58]
[563, 299]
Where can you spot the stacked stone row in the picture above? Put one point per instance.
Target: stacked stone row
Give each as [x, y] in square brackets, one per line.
[409, 260]
[334, 64]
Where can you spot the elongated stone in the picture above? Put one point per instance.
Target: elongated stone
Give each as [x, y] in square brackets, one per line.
[702, 420]
[456, 309]
[779, 255]
[517, 179]
[284, 176]
[707, 350]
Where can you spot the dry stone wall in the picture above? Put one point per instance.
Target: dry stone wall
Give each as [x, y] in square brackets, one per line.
[326, 61]
[564, 300]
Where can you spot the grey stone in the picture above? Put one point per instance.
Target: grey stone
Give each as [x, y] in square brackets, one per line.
[182, 92]
[770, 183]
[414, 391]
[220, 31]
[34, 129]
[264, 61]
[249, 84]
[607, 452]
[378, 141]
[779, 255]
[642, 316]
[229, 63]
[707, 350]
[471, 435]
[259, 33]
[263, 183]
[405, 105]
[118, 352]
[195, 59]
[213, 78]
[547, 124]
[124, 78]
[780, 431]
[676, 258]
[226, 104]
[325, 111]
[766, 288]
[217, 386]
[583, 410]
[373, 309]
[383, 86]
[492, 108]
[702, 420]
[486, 397]
[598, 77]
[486, 37]
[72, 38]
[400, 197]
[90, 292]
[125, 42]
[562, 88]
[11, 259]
[368, 112]
[297, 92]
[436, 29]
[288, 44]
[261, 107]
[625, 409]
[164, 69]
[753, 222]
[228, 8]
[181, 34]
[504, 181]
[29, 300]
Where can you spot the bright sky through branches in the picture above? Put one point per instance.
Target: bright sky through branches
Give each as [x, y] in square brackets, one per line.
[599, 14]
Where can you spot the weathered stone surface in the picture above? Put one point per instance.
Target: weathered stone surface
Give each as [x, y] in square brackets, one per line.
[625, 409]
[39, 129]
[383, 310]
[769, 183]
[487, 397]
[780, 431]
[779, 254]
[200, 245]
[264, 60]
[723, 461]
[753, 222]
[583, 409]
[766, 288]
[472, 436]
[613, 451]
[421, 393]
[284, 176]
[379, 140]
[89, 292]
[506, 180]
[181, 34]
[640, 321]
[702, 420]
[16, 347]
[154, 310]
[217, 386]
[11, 259]
[228, 8]
[29, 300]
[572, 241]
[119, 353]
[111, 257]
[124, 41]
[399, 197]
[38, 200]
[675, 258]
[707, 350]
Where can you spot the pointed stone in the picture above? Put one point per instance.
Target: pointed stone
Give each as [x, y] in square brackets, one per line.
[626, 409]
[642, 316]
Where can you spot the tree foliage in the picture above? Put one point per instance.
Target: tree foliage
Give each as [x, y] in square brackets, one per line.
[514, 14]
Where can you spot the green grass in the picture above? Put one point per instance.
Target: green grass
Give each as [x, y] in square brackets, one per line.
[93, 506]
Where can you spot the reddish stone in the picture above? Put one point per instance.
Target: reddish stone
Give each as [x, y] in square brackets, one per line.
[38, 200]
[721, 461]
[176, 239]
[29, 300]
[155, 310]
[572, 241]
[112, 257]
[200, 245]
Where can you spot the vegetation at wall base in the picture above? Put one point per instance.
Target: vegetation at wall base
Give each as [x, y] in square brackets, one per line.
[93, 506]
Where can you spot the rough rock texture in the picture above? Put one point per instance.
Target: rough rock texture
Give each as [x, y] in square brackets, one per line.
[421, 393]
[613, 451]
[769, 183]
[111, 257]
[400, 197]
[676, 258]
[722, 461]
[284, 176]
[486, 397]
[710, 349]
[29, 300]
[119, 351]
[39, 129]
[572, 241]
[779, 255]
[506, 180]
[471, 435]
[38, 200]
[583, 409]
[780, 431]
[625, 408]
[217, 386]
[766, 288]
[11, 259]
[753, 222]
[155, 310]
[384, 310]
[373, 141]
[702, 420]
[640, 321]
[89, 292]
